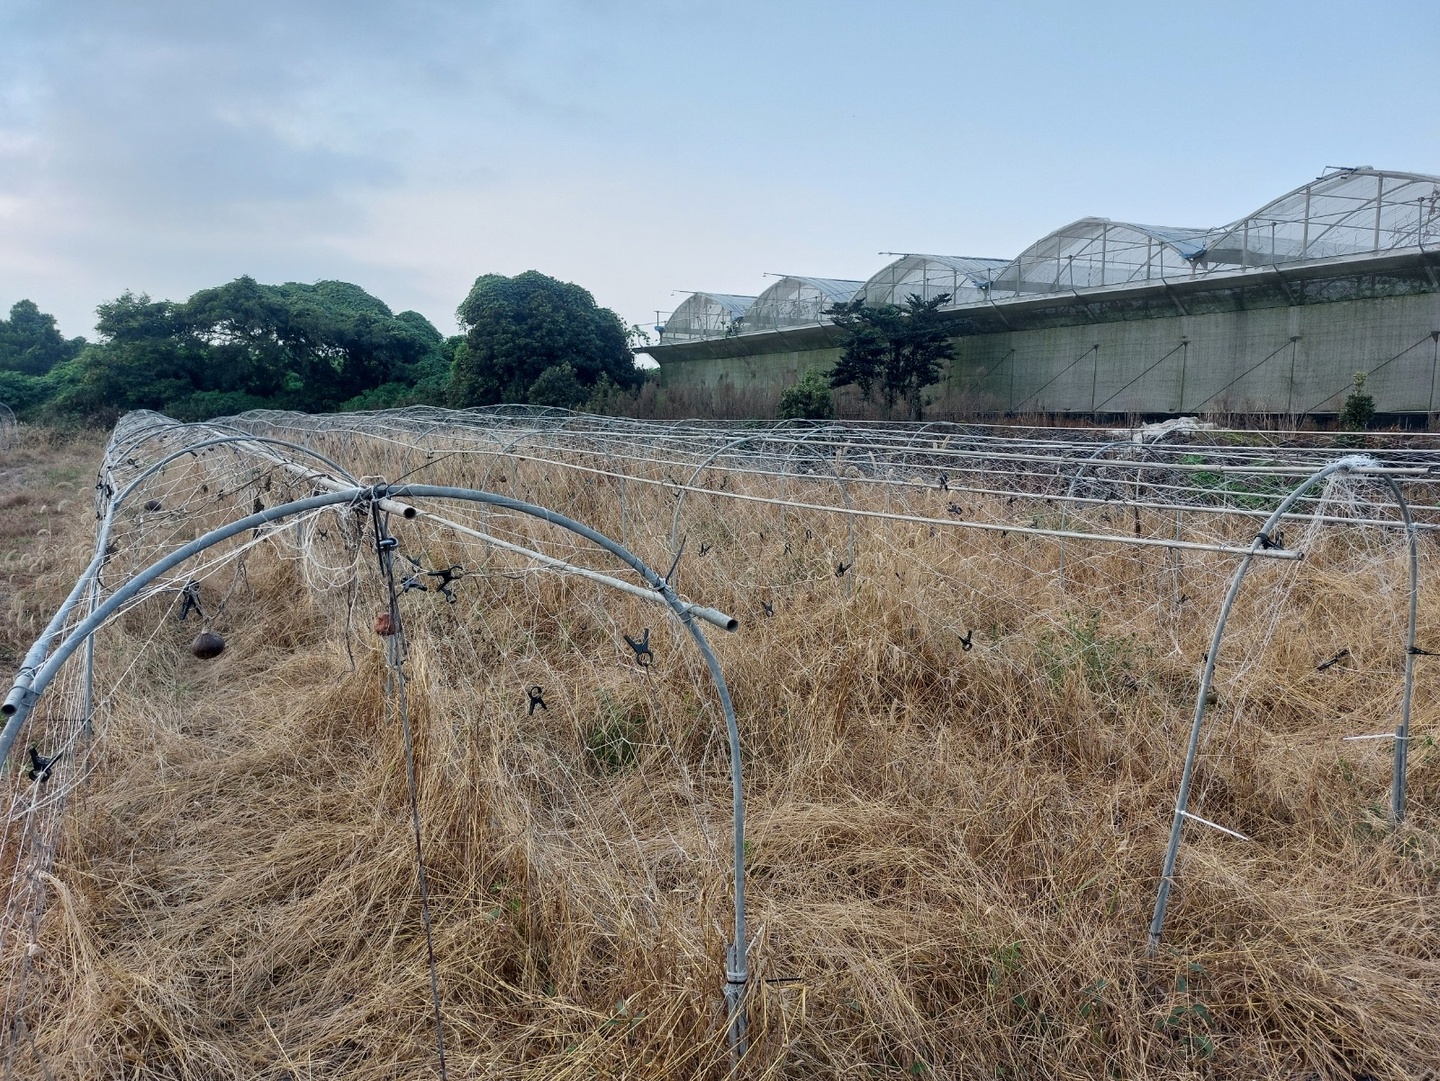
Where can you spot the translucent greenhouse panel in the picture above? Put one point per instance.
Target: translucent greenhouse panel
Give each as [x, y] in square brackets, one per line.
[927, 276]
[1350, 212]
[1093, 253]
[705, 315]
[794, 301]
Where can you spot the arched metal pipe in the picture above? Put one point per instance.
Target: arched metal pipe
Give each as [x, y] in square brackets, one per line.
[736, 963]
[1182, 798]
[41, 645]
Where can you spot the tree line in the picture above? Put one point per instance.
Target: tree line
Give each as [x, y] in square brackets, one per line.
[331, 346]
[316, 348]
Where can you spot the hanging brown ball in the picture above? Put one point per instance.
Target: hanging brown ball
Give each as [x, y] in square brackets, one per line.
[384, 624]
[207, 645]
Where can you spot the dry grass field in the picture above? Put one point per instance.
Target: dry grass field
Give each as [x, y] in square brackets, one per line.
[960, 765]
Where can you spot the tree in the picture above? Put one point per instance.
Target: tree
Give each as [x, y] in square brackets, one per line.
[144, 360]
[518, 328]
[902, 349]
[808, 399]
[31, 343]
[1359, 409]
[243, 344]
[311, 346]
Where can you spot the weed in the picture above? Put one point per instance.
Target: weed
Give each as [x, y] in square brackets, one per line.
[613, 741]
[1106, 663]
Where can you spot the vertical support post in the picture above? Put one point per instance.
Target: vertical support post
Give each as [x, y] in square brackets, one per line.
[1184, 358]
[1379, 207]
[1402, 730]
[1094, 376]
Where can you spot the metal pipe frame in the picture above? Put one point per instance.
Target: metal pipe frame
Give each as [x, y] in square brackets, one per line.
[736, 960]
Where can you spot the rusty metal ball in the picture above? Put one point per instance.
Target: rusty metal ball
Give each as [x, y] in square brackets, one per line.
[207, 645]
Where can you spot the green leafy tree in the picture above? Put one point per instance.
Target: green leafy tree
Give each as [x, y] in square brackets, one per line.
[809, 398]
[899, 349]
[31, 343]
[310, 346]
[144, 359]
[243, 344]
[518, 328]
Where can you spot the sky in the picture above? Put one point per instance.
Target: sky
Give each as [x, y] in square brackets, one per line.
[647, 148]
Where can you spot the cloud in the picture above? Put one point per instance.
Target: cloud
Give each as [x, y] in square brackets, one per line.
[175, 141]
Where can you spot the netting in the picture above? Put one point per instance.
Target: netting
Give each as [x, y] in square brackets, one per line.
[1045, 593]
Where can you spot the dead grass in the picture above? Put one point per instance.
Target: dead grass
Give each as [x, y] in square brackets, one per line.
[952, 854]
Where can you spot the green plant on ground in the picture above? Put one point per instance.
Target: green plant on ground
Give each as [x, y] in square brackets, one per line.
[613, 741]
[1189, 1022]
[809, 398]
[1358, 413]
[1105, 662]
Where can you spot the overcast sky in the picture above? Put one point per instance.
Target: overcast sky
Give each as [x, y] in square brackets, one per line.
[640, 147]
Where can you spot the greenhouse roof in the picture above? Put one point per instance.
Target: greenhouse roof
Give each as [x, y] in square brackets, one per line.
[705, 315]
[1347, 212]
[1095, 252]
[795, 301]
[1344, 213]
[965, 278]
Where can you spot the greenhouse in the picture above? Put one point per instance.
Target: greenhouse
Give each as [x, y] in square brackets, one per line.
[1275, 313]
[964, 279]
[1096, 252]
[795, 301]
[702, 316]
[1349, 212]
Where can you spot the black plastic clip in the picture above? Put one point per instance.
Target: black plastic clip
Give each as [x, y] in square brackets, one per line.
[841, 568]
[1416, 651]
[965, 640]
[1333, 661]
[413, 583]
[447, 576]
[537, 699]
[643, 657]
[768, 609]
[704, 548]
[1267, 541]
[386, 544]
[190, 600]
[40, 767]
[956, 509]
[944, 482]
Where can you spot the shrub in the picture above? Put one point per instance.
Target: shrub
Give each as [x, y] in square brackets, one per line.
[809, 398]
[1359, 408]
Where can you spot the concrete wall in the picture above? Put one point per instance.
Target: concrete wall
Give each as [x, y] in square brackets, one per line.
[1292, 360]
[767, 372]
